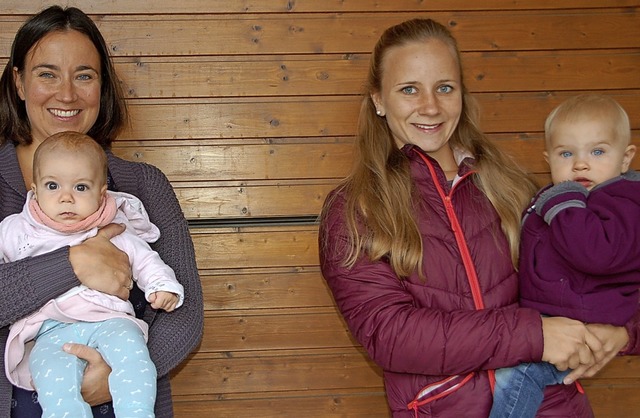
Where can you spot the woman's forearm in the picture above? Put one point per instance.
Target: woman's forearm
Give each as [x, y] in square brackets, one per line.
[30, 283]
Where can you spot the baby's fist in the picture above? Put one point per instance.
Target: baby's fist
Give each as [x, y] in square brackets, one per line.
[166, 301]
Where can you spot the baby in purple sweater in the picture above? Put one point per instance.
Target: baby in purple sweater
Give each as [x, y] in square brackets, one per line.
[579, 256]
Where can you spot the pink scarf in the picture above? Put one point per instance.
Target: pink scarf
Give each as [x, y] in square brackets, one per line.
[101, 217]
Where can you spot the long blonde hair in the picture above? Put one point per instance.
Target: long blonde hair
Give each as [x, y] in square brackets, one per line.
[379, 189]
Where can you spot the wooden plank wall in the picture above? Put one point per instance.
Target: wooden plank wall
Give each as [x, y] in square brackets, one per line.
[249, 107]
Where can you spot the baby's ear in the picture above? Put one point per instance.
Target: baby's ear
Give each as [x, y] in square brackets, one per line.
[629, 153]
[34, 190]
[103, 191]
[545, 154]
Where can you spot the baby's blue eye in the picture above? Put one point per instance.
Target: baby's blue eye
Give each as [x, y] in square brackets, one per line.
[565, 154]
[598, 152]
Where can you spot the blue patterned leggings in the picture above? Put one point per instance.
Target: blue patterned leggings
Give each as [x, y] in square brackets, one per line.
[57, 375]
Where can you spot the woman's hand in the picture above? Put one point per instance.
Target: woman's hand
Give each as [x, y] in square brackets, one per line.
[100, 265]
[612, 340]
[95, 383]
[568, 344]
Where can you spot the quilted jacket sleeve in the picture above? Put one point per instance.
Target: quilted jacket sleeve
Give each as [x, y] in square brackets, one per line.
[402, 337]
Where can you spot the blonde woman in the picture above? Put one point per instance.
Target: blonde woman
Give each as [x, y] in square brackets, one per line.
[419, 243]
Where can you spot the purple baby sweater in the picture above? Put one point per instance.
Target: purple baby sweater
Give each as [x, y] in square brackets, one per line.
[579, 254]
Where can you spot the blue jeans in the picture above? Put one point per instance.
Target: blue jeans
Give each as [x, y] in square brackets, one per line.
[519, 390]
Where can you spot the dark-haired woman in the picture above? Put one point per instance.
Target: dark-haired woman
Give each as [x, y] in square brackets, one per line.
[60, 78]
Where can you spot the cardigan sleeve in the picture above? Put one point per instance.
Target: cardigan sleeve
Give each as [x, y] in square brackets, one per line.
[29, 283]
[172, 336]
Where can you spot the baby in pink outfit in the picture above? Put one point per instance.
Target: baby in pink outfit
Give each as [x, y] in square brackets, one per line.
[68, 203]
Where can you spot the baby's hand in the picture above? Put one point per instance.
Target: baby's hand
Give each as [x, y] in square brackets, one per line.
[163, 300]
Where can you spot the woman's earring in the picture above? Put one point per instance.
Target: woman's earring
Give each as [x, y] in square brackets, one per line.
[378, 112]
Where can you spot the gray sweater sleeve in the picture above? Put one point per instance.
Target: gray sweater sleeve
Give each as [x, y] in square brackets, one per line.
[29, 283]
[172, 336]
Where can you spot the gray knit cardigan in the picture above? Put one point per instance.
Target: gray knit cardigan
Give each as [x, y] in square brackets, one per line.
[28, 284]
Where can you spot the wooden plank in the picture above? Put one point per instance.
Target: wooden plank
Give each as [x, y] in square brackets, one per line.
[298, 6]
[230, 76]
[614, 400]
[367, 404]
[201, 162]
[283, 330]
[272, 288]
[552, 70]
[243, 118]
[332, 116]
[269, 200]
[300, 371]
[627, 367]
[334, 33]
[613, 392]
[285, 246]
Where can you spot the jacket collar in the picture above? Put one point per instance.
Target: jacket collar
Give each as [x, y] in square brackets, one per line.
[464, 159]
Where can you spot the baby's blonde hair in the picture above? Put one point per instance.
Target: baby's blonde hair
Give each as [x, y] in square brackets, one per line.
[72, 142]
[589, 106]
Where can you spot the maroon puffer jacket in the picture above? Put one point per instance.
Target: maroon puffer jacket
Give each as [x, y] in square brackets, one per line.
[426, 333]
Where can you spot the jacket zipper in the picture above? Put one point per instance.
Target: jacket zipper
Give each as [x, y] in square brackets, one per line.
[467, 261]
[417, 402]
[457, 232]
